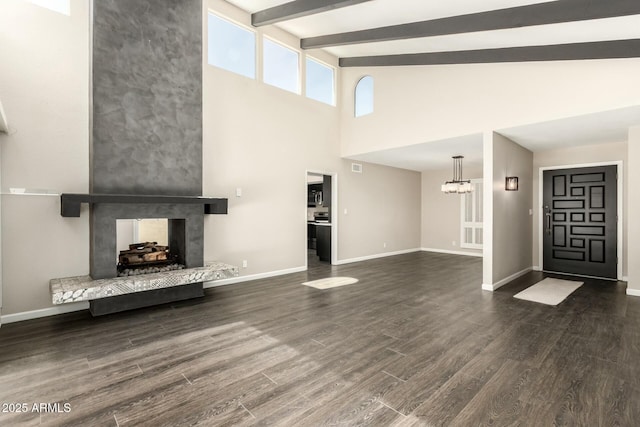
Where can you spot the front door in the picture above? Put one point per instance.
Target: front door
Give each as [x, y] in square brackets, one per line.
[580, 221]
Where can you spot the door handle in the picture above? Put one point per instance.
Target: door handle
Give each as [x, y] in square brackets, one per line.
[548, 219]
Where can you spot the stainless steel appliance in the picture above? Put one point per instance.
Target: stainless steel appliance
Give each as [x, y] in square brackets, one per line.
[321, 216]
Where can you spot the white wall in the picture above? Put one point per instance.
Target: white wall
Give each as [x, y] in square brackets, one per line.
[633, 285]
[616, 151]
[44, 84]
[508, 240]
[441, 216]
[417, 104]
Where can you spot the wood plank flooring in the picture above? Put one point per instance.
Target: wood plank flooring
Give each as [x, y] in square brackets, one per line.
[415, 342]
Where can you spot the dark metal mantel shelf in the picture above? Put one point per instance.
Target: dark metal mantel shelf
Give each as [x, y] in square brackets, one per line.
[70, 203]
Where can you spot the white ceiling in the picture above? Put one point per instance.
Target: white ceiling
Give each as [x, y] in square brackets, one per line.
[603, 127]
[598, 128]
[380, 13]
[429, 155]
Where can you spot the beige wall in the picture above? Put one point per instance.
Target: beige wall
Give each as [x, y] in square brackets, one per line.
[383, 210]
[44, 84]
[418, 104]
[633, 285]
[265, 140]
[616, 151]
[441, 212]
[508, 241]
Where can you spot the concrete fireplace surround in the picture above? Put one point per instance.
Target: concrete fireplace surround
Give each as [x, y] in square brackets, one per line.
[146, 141]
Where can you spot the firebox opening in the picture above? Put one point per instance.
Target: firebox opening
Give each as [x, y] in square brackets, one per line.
[149, 245]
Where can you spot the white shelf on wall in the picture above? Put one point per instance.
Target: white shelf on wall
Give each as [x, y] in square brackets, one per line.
[4, 127]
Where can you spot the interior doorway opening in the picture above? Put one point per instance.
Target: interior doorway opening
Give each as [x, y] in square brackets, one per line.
[321, 219]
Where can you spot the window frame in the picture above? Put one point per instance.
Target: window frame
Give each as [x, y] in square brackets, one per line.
[355, 96]
[256, 54]
[334, 94]
[299, 66]
[475, 210]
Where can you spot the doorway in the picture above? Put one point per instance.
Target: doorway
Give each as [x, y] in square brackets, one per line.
[321, 233]
[580, 224]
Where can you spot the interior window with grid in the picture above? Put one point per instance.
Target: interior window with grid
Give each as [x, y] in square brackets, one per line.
[471, 217]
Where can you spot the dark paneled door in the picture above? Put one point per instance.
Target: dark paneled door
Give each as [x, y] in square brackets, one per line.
[580, 221]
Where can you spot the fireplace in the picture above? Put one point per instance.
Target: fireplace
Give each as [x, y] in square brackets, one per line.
[178, 226]
[144, 246]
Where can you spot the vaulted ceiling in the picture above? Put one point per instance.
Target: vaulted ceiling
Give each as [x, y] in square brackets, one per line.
[408, 32]
[425, 32]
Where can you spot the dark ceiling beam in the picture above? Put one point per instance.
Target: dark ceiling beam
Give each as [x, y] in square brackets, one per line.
[563, 52]
[523, 16]
[297, 9]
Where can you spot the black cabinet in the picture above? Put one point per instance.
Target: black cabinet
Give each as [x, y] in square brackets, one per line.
[311, 236]
[323, 242]
[326, 191]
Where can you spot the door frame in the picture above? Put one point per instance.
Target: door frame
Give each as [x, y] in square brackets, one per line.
[334, 214]
[620, 212]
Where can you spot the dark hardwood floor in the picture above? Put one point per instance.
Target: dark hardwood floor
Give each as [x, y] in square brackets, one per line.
[414, 342]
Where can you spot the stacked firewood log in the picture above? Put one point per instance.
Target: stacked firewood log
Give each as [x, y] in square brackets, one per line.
[140, 253]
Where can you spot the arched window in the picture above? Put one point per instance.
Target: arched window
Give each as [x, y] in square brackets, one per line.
[364, 96]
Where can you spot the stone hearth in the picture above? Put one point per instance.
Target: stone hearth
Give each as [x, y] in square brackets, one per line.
[84, 288]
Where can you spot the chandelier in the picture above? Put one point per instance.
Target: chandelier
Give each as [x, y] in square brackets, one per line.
[457, 185]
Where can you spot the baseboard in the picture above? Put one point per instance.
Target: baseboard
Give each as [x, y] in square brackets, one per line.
[506, 280]
[633, 292]
[250, 277]
[382, 255]
[44, 312]
[625, 279]
[536, 268]
[446, 251]
[69, 308]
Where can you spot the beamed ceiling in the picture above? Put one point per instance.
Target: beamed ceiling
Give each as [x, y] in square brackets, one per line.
[428, 32]
[421, 32]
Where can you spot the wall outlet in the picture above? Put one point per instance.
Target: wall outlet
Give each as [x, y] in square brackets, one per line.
[345, 211]
[244, 263]
[238, 192]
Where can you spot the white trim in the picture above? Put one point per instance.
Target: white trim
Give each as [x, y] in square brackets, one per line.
[476, 182]
[445, 251]
[536, 268]
[506, 280]
[45, 312]
[620, 197]
[580, 275]
[487, 200]
[625, 278]
[287, 47]
[251, 277]
[382, 255]
[333, 70]
[633, 292]
[334, 215]
[72, 307]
